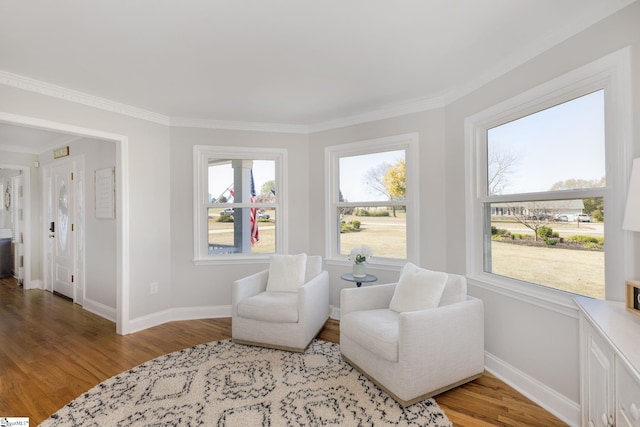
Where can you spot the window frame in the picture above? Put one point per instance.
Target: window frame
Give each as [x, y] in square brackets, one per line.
[201, 202]
[611, 73]
[407, 142]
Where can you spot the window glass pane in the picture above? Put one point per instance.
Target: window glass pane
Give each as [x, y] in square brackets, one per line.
[559, 243]
[222, 177]
[384, 229]
[372, 177]
[559, 148]
[234, 230]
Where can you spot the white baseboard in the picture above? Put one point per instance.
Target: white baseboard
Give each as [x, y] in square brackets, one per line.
[33, 284]
[334, 312]
[174, 314]
[100, 309]
[559, 405]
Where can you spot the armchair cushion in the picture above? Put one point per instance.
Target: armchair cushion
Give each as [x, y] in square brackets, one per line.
[417, 289]
[374, 329]
[267, 306]
[286, 272]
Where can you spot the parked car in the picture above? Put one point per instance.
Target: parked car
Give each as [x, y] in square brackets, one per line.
[584, 218]
[226, 211]
[263, 215]
[561, 218]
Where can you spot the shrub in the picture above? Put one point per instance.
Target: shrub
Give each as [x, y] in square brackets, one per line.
[551, 241]
[225, 218]
[545, 232]
[582, 239]
[588, 242]
[592, 245]
[500, 233]
[348, 227]
[375, 212]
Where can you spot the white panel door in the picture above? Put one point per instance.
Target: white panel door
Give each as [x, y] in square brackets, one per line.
[62, 233]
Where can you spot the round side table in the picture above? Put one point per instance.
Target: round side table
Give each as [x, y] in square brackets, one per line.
[359, 280]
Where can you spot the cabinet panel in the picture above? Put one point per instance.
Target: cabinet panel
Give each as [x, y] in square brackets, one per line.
[599, 377]
[628, 397]
[610, 364]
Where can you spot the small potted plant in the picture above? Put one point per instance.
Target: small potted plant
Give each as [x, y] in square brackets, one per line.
[360, 256]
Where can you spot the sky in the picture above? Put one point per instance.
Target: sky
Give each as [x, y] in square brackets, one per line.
[556, 144]
[353, 171]
[221, 177]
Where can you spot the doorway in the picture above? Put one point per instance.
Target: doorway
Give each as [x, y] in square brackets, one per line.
[122, 206]
[15, 230]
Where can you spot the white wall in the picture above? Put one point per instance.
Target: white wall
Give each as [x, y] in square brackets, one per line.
[147, 156]
[433, 240]
[209, 286]
[538, 341]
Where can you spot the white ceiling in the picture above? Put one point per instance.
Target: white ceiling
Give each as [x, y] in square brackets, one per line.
[291, 62]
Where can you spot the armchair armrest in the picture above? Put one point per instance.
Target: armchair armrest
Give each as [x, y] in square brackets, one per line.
[248, 287]
[367, 298]
[313, 297]
[454, 332]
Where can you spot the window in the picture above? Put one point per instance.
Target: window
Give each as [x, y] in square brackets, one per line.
[554, 241]
[371, 191]
[547, 189]
[238, 202]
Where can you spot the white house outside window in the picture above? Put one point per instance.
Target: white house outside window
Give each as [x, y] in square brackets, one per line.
[549, 186]
[371, 192]
[238, 202]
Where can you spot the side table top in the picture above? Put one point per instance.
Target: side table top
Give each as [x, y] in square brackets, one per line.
[366, 279]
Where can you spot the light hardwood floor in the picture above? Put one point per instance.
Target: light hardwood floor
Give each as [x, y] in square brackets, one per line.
[52, 350]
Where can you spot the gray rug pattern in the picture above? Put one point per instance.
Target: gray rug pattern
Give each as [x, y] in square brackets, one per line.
[226, 384]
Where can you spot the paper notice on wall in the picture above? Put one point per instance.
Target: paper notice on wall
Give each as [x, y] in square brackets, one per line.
[105, 193]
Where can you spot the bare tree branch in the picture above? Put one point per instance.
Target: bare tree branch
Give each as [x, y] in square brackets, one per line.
[500, 166]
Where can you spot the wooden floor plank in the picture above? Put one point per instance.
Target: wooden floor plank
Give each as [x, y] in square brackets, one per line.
[52, 350]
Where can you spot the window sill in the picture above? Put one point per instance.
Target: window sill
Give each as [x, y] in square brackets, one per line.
[231, 259]
[388, 266]
[548, 298]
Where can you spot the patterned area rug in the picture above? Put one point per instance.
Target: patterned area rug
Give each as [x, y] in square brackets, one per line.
[227, 384]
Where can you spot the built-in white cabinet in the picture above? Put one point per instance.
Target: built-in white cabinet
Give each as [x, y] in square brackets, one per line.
[610, 364]
[598, 379]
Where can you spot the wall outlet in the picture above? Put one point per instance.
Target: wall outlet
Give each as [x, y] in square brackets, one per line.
[153, 289]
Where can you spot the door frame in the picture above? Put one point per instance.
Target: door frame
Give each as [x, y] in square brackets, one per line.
[27, 283]
[122, 204]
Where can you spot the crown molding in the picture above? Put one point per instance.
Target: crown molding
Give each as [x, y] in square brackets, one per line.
[37, 86]
[18, 149]
[36, 151]
[379, 113]
[384, 112]
[238, 125]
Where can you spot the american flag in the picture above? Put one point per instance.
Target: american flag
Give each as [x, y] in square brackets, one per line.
[255, 235]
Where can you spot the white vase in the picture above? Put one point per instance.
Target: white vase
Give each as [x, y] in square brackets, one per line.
[359, 270]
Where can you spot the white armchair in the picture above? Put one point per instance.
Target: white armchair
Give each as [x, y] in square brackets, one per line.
[413, 355]
[288, 317]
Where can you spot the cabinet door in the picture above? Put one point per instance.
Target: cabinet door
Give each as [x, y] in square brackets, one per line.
[628, 397]
[599, 378]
